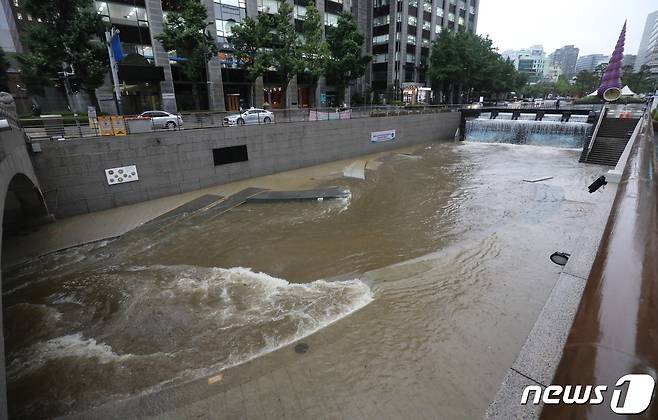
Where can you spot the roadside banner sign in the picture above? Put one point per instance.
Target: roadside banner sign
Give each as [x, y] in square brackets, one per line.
[382, 136]
[105, 126]
[118, 125]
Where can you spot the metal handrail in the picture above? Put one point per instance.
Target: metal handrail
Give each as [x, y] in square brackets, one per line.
[604, 112]
[215, 119]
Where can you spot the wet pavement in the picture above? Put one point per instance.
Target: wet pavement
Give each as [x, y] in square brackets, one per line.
[437, 266]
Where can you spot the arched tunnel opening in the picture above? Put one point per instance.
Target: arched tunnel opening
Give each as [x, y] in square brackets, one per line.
[24, 211]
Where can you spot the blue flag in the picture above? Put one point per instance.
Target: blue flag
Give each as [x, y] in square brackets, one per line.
[116, 48]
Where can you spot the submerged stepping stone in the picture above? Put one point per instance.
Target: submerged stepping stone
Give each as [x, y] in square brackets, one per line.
[326, 193]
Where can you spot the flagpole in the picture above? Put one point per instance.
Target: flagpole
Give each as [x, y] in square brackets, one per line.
[115, 74]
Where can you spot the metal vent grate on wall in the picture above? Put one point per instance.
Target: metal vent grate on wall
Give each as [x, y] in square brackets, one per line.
[233, 154]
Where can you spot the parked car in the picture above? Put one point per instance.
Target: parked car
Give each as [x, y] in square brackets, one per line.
[250, 116]
[162, 119]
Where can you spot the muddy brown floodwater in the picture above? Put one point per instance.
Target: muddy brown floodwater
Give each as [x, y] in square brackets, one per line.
[118, 318]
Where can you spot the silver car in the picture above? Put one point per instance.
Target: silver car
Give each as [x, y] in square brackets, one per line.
[250, 116]
[162, 119]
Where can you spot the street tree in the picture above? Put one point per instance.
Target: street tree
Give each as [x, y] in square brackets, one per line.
[286, 48]
[186, 32]
[68, 38]
[642, 81]
[347, 61]
[250, 41]
[315, 50]
[464, 64]
[585, 83]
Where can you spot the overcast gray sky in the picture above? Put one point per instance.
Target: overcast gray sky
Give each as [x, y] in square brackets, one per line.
[591, 25]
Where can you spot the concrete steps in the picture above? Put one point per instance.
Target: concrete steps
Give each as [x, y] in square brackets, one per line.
[611, 141]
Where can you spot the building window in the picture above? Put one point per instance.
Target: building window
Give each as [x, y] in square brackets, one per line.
[427, 26]
[122, 14]
[224, 27]
[300, 12]
[19, 16]
[381, 20]
[381, 39]
[461, 21]
[425, 42]
[411, 39]
[427, 6]
[439, 11]
[413, 3]
[412, 21]
[235, 3]
[268, 6]
[451, 17]
[380, 58]
[331, 19]
[437, 29]
[411, 58]
[380, 3]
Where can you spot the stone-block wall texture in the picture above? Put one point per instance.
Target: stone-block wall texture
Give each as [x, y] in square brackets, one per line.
[72, 172]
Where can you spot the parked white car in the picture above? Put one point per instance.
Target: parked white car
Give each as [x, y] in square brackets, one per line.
[162, 119]
[250, 116]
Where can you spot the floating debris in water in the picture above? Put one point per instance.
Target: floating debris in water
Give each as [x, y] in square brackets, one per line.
[546, 178]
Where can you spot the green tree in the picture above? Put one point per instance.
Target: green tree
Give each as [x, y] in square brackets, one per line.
[186, 33]
[4, 68]
[586, 82]
[641, 81]
[69, 36]
[315, 50]
[286, 48]
[250, 41]
[466, 65]
[347, 61]
[446, 64]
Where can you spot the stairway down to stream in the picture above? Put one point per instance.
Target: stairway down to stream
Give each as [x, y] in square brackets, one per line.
[610, 141]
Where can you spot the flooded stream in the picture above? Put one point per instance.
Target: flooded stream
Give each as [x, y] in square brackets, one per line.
[155, 308]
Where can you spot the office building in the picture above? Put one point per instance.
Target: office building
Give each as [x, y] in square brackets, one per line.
[565, 59]
[531, 61]
[402, 33]
[591, 62]
[647, 53]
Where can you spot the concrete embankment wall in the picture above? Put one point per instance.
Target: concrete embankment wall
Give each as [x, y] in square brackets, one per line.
[72, 172]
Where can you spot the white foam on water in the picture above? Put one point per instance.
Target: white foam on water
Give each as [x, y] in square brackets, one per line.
[73, 345]
[310, 307]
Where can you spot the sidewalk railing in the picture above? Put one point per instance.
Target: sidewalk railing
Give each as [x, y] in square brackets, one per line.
[39, 129]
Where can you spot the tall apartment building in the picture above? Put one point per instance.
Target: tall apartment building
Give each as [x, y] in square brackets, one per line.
[565, 59]
[591, 62]
[401, 35]
[647, 53]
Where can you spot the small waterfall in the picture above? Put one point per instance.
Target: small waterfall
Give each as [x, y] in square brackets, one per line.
[552, 117]
[539, 133]
[527, 116]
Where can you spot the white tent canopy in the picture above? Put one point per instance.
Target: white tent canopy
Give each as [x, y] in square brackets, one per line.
[626, 91]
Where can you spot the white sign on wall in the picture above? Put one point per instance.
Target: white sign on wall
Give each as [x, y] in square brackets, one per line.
[382, 136]
[121, 175]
